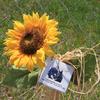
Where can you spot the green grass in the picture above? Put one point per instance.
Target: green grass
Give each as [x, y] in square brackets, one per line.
[79, 22]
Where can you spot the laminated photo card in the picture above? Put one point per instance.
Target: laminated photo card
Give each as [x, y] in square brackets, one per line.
[56, 74]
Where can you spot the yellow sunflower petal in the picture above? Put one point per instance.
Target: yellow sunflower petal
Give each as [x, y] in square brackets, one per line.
[23, 61]
[43, 20]
[52, 23]
[48, 51]
[19, 27]
[9, 52]
[51, 40]
[41, 63]
[28, 22]
[11, 44]
[52, 32]
[35, 19]
[13, 34]
[41, 57]
[16, 62]
[34, 59]
[27, 61]
[41, 54]
[14, 56]
[30, 64]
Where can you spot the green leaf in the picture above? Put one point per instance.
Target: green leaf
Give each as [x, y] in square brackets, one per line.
[20, 78]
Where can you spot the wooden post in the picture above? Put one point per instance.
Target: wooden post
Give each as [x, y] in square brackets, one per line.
[51, 94]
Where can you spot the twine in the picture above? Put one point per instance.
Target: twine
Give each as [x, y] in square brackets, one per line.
[79, 54]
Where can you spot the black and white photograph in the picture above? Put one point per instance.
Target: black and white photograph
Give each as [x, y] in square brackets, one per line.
[56, 75]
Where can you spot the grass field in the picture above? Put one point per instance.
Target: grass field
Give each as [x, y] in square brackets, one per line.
[79, 23]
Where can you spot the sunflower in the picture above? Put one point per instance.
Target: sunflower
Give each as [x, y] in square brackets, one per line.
[29, 42]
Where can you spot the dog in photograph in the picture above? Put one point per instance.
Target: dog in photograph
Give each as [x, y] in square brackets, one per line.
[55, 74]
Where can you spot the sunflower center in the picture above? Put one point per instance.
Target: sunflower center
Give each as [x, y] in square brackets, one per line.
[31, 42]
